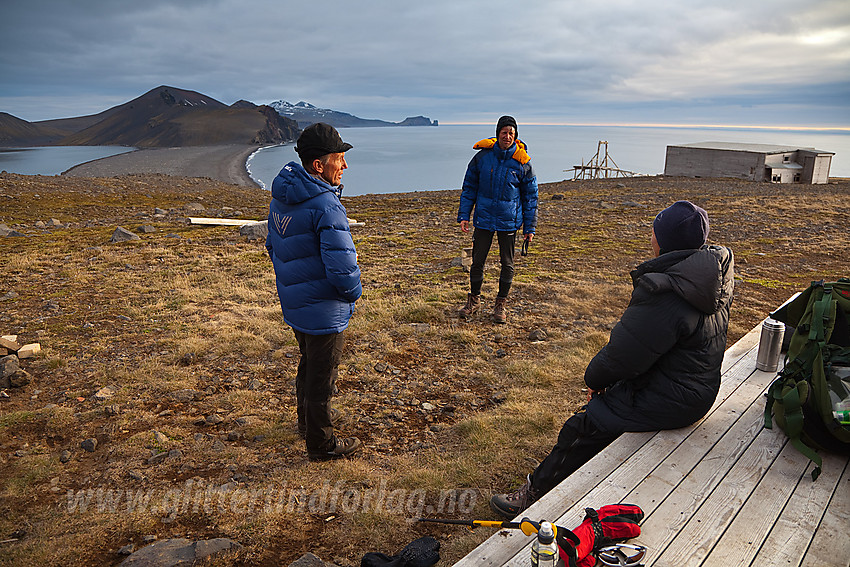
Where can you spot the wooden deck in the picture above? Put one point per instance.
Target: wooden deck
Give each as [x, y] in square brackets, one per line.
[722, 492]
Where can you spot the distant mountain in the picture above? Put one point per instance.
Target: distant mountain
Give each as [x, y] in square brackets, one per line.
[305, 114]
[162, 117]
[172, 117]
[15, 132]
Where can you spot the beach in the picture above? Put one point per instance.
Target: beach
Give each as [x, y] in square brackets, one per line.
[223, 163]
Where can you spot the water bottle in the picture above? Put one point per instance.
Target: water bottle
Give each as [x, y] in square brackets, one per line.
[544, 550]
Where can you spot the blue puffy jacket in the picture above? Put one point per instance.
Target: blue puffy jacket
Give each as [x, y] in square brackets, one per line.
[314, 259]
[501, 186]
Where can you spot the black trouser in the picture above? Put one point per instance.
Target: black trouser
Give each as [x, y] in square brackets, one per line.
[578, 442]
[481, 242]
[314, 384]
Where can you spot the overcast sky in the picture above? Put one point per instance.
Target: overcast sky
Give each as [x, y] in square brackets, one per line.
[747, 62]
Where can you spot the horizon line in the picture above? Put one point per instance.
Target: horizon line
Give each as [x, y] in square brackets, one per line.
[843, 129]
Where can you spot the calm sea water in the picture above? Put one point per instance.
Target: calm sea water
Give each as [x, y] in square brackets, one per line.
[391, 160]
[53, 160]
[404, 159]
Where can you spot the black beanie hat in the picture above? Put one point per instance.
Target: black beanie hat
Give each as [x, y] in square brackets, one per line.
[318, 140]
[681, 226]
[506, 121]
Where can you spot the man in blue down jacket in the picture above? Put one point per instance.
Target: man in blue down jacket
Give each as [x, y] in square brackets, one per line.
[661, 366]
[501, 186]
[317, 277]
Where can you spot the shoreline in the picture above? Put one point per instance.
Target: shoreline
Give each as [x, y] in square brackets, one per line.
[227, 163]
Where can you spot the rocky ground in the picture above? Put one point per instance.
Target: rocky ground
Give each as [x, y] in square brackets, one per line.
[164, 360]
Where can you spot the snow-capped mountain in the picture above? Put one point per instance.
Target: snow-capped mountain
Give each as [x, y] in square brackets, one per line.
[305, 114]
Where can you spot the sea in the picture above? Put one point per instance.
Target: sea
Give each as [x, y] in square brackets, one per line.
[427, 158]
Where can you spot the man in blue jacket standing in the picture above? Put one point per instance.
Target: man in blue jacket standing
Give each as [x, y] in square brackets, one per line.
[501, 186]
[317, 276]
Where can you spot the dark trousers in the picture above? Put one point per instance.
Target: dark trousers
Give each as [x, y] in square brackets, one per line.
[314, 384]
[578, 442]
[481, 242]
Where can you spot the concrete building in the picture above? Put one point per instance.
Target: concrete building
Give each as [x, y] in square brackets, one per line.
[756, 162]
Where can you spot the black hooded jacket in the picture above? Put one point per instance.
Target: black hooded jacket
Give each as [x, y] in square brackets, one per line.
[661, 366]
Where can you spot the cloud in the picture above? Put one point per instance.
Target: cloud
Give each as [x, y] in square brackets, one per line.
[453, 61]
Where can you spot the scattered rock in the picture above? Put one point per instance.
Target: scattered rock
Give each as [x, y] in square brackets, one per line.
[127, 549]
[255, 230]
[146, 229]
[557, 197]
[538, 335]
[160, 438]
[89, 444]
[194, 207]
[213, 419]
[184, 396]
[65, 456]
[308, 560]
[178, 552]
[121, 234]
[105, 393]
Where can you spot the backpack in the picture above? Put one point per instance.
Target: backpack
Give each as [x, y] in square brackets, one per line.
[810, 397]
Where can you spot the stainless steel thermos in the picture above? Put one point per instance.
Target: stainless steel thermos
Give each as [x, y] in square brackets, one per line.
[770, 345]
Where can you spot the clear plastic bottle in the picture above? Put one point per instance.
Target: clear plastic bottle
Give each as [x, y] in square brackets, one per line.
[544, 550]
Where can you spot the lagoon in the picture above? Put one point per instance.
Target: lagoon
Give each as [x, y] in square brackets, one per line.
[53, 160]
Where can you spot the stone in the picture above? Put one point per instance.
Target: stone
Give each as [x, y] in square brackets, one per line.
[89, 444]
[537, 335]
[160, 438]
[9, 343]
[29, 350]
[213, 419]
[121, 234]
[194, 207]
[105, 393]
[20, 379]
[157, 458]
[65, 456]
[255, 230]
[184, 396]
[308, 560]
[146, 229]
[127, 549]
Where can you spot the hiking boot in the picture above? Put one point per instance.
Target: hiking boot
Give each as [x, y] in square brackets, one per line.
[473, 304]
[302, 428]
[500, 315]
[342, 448]
[510, 505]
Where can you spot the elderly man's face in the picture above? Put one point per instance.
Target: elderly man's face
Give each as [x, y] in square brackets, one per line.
[330, 168]
[507, 136]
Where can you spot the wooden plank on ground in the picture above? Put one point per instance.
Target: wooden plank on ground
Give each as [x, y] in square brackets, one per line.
[792, 532]
[753, 523]
[694, 520]
[831, 544]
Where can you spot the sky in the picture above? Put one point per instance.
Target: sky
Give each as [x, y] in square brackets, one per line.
[774, 63]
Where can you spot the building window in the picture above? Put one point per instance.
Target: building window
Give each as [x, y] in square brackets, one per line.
[786, 159]
[776, 179]
[796, 178]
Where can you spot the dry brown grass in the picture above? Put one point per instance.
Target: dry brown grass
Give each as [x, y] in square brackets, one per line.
[163, 315]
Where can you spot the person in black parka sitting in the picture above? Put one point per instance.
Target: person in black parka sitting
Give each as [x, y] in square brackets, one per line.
[661, 366]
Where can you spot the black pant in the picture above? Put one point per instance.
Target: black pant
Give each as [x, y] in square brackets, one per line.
[314, 384]
[578, 442]
[481, 242]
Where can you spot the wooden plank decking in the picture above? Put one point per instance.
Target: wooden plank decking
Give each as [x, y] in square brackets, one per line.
[722, 492]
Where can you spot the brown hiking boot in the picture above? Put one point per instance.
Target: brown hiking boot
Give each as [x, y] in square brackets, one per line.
[510, 505]
[343, 448]
[500, 315]
[473, 304]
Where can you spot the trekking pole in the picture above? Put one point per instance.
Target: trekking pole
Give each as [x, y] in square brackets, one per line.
[527, 526]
